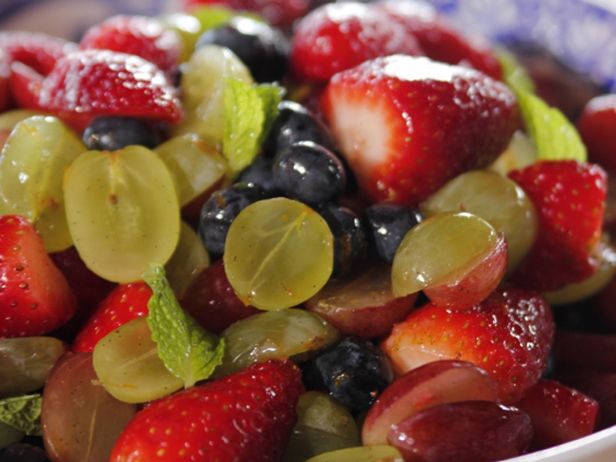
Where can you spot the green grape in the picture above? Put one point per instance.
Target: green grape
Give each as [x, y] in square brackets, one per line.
[189, 258]
[9, 435]
[381, 453]
[203, 83]
[278, 253]
[25, 363]
[274, 335]
[196, 166]
[496, 199]
[520, 153]
[188, 29]
[441, 249]
[32, 165]
[127, 363]
[322, 426]
[9, 119]
[122, 211]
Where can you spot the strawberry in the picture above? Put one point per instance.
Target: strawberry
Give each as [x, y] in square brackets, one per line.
[508, 335]
[39, 51]
[247, 416]
[277, 12]
[34, 296]
[407, 125]
[559, 414]
[211, 301]
[570, 201]
[5, 72]
[25, 84]
[92, 83]
[600, 386]
[597, 125]
[125, 303]
[339, 36]
[136, 35]
[438, 40]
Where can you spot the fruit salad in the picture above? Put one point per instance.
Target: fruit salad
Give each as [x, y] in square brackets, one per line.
[298, 231]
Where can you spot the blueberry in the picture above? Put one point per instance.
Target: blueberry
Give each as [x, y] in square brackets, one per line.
[309, 173]
[262, 48]
[261, 173]
[220, 210]
[387, 224]
[295, 123]
[353, 372]
[23, 453]
[113, 133]
[350, 242]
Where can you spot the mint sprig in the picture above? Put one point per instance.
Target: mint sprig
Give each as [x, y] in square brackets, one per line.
[187, 350]
[555, 138]
[22, 413]
[249, 112]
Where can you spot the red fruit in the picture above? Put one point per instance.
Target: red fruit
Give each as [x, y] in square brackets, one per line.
[25, 84]
[438, 40]
[339, 36]
[559, 413]
[247, 416]
[477, 431]
[93, 83]
[39, 51]
[277, 12]
[211, 301]
[34, 296]
[136, 35]
[125, 303]
[5, 92]
[600, 386]
[424, 387]
[597, 125]
[570, 201]
[509, 335]
[407, 125]
[363, 306]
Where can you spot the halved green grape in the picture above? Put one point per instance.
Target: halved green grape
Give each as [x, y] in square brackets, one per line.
[278, 253]
[579, 291]
[196, 166]
[9, 119]
[25, 363]
[520, 153]
[496, 199]
[441, 249]
[122, 211]
[322, 426]
[203, 83]
[189, 258]
[32, 165]
[127, 363]
[274, 335]
[381, 453]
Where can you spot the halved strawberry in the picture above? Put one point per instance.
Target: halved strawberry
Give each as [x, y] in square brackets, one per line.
[508, 335]
[407, 125]
[34, 296]
[37, 50]
[136, 35]
[125, 303]
[559, 414]
[339, 36]
[277, 12]
[247, 416]
[440, 41]
[570, 201]
[92, 83]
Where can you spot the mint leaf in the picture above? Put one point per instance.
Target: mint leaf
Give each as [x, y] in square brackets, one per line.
[22, 413]
[514, 74]
[243, 127]
[555, 137]
[271, 95]
[188, 351]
